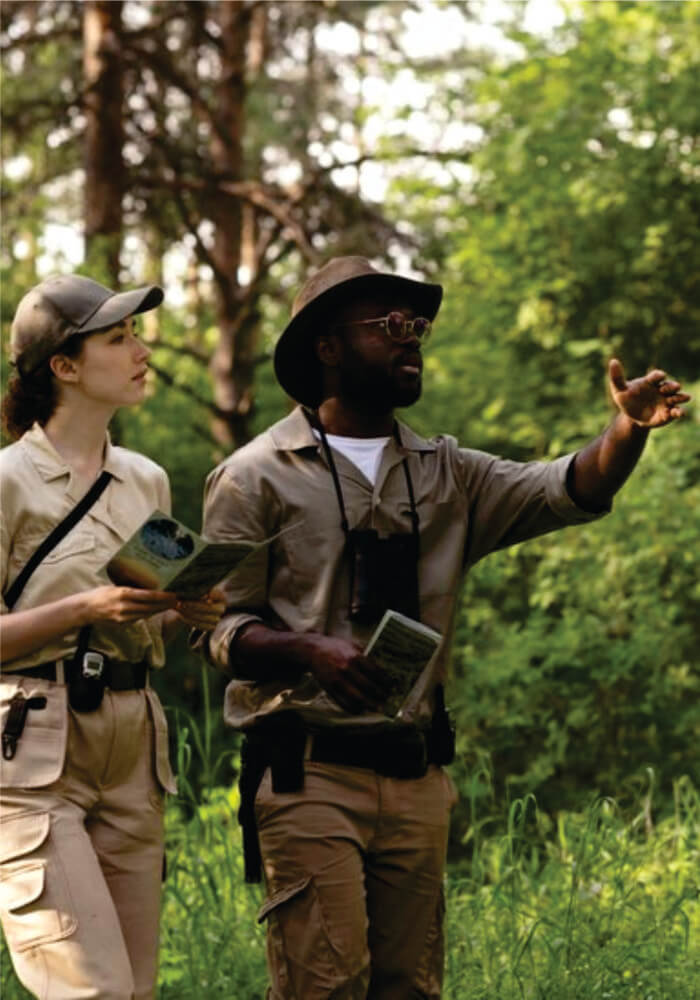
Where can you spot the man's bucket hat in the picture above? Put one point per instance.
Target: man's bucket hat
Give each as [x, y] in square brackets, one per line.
[66, 304]
[342, 279]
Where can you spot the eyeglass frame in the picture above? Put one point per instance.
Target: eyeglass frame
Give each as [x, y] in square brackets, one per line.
[383, 322]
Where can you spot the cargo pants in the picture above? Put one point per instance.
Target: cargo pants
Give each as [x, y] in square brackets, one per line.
[81, 856]
[354, 867]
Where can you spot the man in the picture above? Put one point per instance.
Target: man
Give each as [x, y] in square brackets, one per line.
[352, 807]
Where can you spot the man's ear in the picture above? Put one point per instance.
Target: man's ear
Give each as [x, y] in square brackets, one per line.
[63, 367]
[328, 349]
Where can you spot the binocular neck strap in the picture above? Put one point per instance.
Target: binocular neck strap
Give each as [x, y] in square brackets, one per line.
[415, 522]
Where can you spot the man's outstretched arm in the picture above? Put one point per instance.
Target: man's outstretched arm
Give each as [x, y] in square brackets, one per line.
[600, 469]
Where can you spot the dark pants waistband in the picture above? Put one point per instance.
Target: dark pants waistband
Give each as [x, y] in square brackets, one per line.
[118, 675]
[402, 753]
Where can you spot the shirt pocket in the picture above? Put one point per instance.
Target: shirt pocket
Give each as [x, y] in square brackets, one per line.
[41, 747]
[76, 543]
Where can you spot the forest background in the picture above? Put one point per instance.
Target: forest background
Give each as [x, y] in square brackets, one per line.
[547, 176]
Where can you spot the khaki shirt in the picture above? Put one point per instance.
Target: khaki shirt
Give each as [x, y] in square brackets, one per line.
[469, 504]
[38, 490]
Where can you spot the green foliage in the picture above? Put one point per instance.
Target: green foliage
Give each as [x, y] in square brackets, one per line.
[592, 907]
[576, 236]
[576, 660]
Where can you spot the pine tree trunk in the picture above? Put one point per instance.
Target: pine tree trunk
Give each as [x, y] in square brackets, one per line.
[104, 137]
[232, 367]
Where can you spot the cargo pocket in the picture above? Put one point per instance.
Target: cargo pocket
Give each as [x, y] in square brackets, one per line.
[41, 749]
[161, 756]
[34, 896]
[302, 955]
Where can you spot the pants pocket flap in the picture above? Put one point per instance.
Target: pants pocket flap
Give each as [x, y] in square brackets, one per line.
[281, 896]
[22, 834]
[21, 886]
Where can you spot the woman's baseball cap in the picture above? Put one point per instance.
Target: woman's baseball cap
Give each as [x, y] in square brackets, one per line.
[342, 279]
[66, 304]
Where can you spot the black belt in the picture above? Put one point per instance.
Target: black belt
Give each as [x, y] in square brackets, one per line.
[118, 676]
[404, 752]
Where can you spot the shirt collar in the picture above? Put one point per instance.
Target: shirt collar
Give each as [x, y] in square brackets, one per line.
[51, 465]
[294, 433]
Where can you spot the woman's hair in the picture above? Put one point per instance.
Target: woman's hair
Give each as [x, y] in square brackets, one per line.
[33, 396]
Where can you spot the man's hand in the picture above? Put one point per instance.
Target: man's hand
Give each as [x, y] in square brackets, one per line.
[351, 678]
[650, 401]
[203, 613]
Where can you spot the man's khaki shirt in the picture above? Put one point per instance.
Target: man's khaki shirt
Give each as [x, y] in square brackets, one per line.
[38, 490]
[469, 504]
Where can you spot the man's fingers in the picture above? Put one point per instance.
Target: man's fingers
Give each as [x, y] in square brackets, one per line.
[374, 677]
[656, 377]
[617, 375]
[349, 698]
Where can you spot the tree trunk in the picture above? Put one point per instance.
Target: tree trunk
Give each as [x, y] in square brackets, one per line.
[104, 137]
[232, 366]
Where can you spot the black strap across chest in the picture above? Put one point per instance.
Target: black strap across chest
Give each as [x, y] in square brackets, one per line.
[52, 539]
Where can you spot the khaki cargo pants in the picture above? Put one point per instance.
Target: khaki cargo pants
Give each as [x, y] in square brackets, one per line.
[354, 866]
[81, 857]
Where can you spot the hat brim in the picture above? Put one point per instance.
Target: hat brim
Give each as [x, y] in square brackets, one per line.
[121, 305]
[296, 365]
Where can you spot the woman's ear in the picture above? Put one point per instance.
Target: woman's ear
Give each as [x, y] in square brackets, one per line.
[63, 367]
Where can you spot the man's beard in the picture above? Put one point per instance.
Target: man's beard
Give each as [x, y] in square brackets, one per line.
[377, 390]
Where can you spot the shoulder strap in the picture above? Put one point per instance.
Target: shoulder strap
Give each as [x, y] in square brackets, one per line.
[52, 540]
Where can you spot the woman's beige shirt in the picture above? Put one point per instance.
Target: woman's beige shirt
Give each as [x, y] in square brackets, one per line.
[38, 489]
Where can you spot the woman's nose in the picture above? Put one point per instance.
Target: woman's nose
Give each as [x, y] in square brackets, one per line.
[143, 352]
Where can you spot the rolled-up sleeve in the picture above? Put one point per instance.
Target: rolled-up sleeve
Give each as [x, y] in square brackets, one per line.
[510, 502]
[232, 512]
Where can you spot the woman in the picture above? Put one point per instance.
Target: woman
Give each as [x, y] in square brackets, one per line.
[84, 750]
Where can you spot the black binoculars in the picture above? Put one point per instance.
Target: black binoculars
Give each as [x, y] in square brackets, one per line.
[383, 575]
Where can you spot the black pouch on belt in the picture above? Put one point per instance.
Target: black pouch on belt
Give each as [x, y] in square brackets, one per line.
[277, 743]
[85, 676]
[441, 735]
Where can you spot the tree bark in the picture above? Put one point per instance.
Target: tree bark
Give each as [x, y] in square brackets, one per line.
[105, 176]
[232, 365]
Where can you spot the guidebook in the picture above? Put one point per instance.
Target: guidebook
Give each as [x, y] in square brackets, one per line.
[402, 647]
[164, 554]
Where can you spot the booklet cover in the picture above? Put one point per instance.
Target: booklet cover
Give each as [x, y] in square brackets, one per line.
[402, 647]
[164, 554]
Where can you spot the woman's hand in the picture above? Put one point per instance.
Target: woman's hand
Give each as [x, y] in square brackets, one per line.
[124, 604]
[204, 612]
[23, 632]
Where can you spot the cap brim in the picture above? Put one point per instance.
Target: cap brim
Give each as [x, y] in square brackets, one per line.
[118, 307]
[296, 365]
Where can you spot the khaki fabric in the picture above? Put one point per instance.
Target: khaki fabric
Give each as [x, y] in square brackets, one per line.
[354, 875]
[81, 861]
[37, 491]
[81, 843]
[469, 503]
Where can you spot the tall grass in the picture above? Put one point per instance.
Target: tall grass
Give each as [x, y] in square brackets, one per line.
[590, 906]
[596, 906]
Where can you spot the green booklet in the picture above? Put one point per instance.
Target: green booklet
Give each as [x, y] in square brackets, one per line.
[402, 647]
[164, 554]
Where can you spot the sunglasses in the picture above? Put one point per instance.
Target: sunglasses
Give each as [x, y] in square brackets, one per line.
[396, 326]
